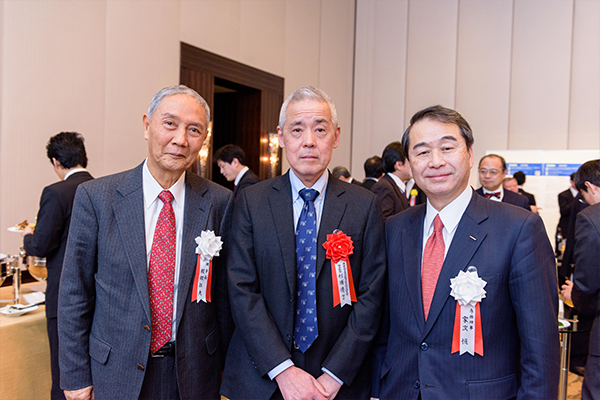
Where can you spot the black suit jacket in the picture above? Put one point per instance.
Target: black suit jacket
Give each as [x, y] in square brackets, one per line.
[510, 249]
[510, 198]
[262, 284]
[390, 196]
[368, 183]
[530, 197]
[52, 230]
[579, 204]
[565, 203]
[249, 178]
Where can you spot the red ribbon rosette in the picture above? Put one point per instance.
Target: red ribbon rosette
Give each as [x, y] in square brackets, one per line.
[338, 248]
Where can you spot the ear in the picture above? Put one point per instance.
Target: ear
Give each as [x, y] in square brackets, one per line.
[56, 163]
[337, 133]
[235, 163]
[398, 166]
[280, 137]
[146, 122]
[591, 188]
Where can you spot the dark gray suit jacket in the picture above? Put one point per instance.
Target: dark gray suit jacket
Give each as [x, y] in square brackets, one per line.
[390, 196]
[511, 252]
[262, 284]
[510, 198]
[248, 179]
[104, 307]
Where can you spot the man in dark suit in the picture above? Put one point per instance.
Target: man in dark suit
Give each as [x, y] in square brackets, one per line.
[343, 174]
[585, 290]
[136, 318]
[520, 178]
[66, 152]
[231, 160]
[565, 204]
[390, 189]
[278, 271]
[502, 342]
[492, 171]
[373, 171]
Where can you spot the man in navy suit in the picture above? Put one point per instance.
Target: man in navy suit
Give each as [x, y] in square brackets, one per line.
[508, 347]
[66, 152]
[391, 187]
[117, 295]
[492, 171]
[231, 160]
[270, 356]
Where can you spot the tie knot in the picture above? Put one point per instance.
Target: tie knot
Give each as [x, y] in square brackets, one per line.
[438, 225]
[308, 194]
[166, 196]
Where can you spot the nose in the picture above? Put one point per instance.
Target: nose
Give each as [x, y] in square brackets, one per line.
[437, 159]
[309, 139]
[180, 136]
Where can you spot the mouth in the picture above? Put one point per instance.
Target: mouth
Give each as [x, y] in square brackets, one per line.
[438, 177]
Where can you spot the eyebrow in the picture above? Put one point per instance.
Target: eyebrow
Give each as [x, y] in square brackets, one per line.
[169, 115]
[443, 138]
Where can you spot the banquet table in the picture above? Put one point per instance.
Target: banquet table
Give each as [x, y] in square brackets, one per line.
[24, 350]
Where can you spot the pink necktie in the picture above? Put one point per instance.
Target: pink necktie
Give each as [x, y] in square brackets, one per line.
[433, 259]
[161, 274]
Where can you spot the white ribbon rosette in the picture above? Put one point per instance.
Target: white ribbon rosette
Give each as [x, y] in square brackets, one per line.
[209, 246]
[468, 290]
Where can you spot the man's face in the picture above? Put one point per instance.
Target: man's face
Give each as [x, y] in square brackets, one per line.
[309, 138]
[440, 161]
[491, 174]
[511, 185]
[175, 135]
[228, 170]
[403, 170]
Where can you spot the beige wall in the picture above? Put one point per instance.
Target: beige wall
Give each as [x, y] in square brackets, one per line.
[93, 66]
[524, 73]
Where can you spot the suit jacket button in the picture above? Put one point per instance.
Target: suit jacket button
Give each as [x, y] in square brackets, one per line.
[417, 384]
[146, 327]
[140, 367]
[289, 337]
[424, 346]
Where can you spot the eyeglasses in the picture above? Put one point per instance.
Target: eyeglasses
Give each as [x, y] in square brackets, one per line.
[492, 172]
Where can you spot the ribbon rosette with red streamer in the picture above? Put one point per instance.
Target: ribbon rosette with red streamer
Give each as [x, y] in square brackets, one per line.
[209, 246]
[467, 289]
[339, 247]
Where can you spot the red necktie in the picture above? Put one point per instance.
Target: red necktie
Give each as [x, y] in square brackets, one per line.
[433, 259]
[161, 274]
[490, 195]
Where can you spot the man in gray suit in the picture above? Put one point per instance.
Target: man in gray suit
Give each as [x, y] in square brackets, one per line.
[131, 323]
[275, 351]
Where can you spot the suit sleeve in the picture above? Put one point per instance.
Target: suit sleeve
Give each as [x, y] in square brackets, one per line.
[587, 271]
[564, 203]
[534, 297]
[49, 228]
[77, 294]
[354, 343]
[386, 200]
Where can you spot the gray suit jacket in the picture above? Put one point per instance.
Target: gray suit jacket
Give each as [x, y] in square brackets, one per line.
[262, 284]
[104, 308]
[510, 249]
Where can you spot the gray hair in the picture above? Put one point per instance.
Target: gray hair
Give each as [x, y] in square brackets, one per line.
[177, 89]
[307, 93]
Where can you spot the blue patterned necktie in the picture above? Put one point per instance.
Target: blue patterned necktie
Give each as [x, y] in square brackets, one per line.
[306, 329]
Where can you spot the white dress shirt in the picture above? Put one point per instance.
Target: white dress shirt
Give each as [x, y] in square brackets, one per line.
[399, 182]
[238, 178]
[152, 207]
[73, 171]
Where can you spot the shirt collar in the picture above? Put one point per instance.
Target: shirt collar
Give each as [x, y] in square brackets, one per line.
[574, 192]
[500, 189]
[297, 185]
[152, 188]
[452, 213]
[398, 181]
[239, 175]
[73, 171]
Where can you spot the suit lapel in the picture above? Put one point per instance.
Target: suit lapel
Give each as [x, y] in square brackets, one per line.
[412, 245]
[467, 239]
[280, 204]
[129, 217]
[195, 219]
[333, 211]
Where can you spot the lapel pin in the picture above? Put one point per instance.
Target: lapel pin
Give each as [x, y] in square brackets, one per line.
[473, 238]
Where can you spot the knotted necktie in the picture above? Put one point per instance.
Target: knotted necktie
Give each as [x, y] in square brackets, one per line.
[433, 259]
[306, 329]
[490, 195]
[161, 274]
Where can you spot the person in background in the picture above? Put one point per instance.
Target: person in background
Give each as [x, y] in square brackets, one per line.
[231, 160]
[510, 183]
[343, 174]
[137, 318]
[373, 171]
[585, 288]
[520, 177]
[391, 189]
[67, 155]
[293, 339]
[565, 205]
[414, 194]
[462, 320]
[492, 171]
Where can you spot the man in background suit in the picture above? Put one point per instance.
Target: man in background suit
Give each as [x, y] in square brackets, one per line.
[492, 171]
[128, 324]
[373, 171]
[66, 152]
[231, 160]
[565, 204]
[343, 174]
[421, 352]
[585, 290]
[391, 190]
[278, 349]
[520, 178]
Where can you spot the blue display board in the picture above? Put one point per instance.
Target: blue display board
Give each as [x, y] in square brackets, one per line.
[529, 169]
[560, 169]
